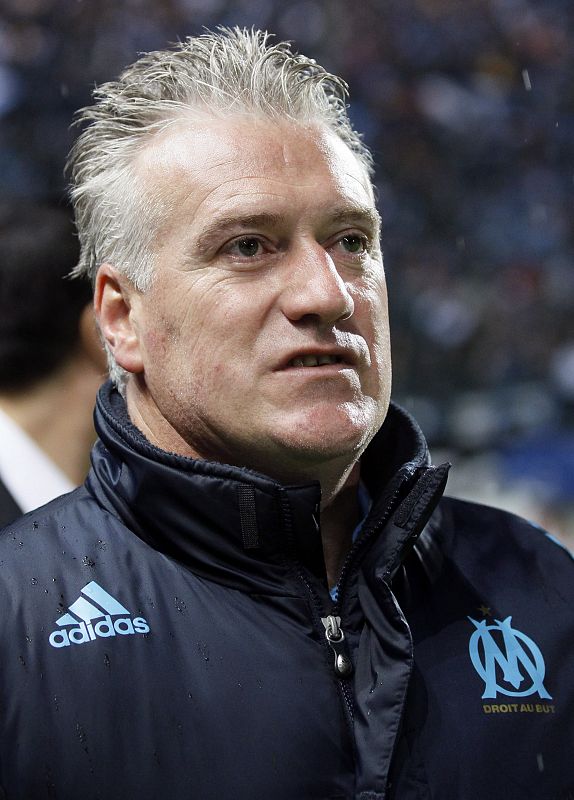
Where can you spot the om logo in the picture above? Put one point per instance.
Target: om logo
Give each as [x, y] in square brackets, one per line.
[518, 658]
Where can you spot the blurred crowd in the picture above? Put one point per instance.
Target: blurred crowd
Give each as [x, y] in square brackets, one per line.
[468, 106]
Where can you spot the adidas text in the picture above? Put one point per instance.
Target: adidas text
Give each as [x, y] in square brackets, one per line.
[86, 632]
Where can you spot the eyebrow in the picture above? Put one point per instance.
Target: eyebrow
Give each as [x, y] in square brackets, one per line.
[360, 215]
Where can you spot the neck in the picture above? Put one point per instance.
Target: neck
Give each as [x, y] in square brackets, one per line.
[57, 414]
[339, 518]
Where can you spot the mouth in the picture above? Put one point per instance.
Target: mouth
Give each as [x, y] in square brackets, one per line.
[334, 357]
[312, 360]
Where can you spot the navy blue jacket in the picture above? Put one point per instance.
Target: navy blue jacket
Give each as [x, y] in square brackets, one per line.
[167, 632]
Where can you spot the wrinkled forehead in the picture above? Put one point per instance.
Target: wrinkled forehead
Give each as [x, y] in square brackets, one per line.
[208, 154]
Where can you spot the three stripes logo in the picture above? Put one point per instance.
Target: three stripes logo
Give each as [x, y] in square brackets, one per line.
[95, 614]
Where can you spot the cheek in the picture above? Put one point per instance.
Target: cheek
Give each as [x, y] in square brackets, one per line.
[372, 312]
[371, 304]
[161, 344]
[154, 348]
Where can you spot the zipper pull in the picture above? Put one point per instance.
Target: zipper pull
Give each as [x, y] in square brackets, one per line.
[336, 639]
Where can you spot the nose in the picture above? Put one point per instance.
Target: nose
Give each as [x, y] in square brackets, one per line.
[314, 288]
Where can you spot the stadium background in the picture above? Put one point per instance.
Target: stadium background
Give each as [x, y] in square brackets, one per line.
[468, 106]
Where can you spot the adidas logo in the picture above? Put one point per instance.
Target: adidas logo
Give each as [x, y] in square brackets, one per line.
[91, 616]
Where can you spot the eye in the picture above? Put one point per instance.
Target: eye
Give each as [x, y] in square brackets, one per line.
[247, 247]
[354, 244]
[248, 251]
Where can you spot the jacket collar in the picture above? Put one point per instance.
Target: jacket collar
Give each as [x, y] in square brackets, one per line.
[229, 524]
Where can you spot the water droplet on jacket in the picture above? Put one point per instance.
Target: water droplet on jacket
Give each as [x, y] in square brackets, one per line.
[21, 660]
[190, 696]
[540, 762]
[53, 580]
[81, 733]
[35, 526]
[106, 661]
[101, 544]
[88, 562]
[203, 650]
[20, 544]
[180, 605]
[28, 639]
[34, 581]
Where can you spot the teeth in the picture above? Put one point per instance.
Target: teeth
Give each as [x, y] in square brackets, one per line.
[314, 361]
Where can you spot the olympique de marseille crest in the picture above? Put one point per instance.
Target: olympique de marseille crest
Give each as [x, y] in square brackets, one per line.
[507, 660]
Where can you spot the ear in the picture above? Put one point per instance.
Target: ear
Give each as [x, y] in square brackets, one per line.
[113, 301]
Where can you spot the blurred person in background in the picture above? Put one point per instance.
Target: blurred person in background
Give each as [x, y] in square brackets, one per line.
[51, 360]
[260, 591]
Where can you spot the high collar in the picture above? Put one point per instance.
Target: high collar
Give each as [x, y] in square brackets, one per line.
[230, 524]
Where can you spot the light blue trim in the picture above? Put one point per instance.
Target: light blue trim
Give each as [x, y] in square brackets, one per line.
[559, 543]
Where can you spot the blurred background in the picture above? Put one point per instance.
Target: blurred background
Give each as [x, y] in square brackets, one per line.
[468, 106]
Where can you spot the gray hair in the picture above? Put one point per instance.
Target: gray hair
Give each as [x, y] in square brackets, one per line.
[231, 71]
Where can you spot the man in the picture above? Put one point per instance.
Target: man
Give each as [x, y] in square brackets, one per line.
[51, 362]
[211, 616]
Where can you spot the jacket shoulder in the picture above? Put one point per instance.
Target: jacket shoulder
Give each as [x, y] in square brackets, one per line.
[492, 545]
[476, 519]
[48, 514]
[62, 538]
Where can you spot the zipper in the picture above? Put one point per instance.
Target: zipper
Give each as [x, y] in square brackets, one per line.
[334, 636]
[338, 644]
[332, 623]
[363, 540]
[343, 665]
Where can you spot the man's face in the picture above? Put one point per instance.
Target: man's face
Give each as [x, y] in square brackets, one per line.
[264, 338]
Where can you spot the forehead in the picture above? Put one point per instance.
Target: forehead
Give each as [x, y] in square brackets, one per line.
[209, 165]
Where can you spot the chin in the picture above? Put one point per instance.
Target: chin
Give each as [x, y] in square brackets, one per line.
[336, 436]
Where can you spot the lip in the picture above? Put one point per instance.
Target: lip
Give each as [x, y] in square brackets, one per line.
[347, 358]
